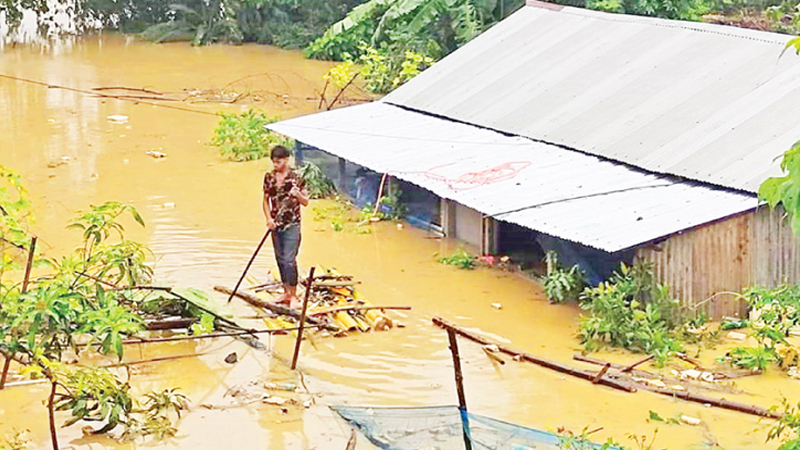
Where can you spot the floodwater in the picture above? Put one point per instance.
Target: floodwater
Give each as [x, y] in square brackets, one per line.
[203, 220]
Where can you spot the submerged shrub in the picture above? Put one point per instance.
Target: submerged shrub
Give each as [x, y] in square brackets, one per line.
[560, 283]
[243, 137]
[461, 259]
[631, 311]
[317, 183]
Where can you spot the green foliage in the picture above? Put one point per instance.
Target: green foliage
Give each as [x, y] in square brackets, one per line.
[631, 311]
[794, 42]
[95, 394]
[777, 308]
[199, 21]
[317, 183]
[667, 9]
[384, 71]
[614, 6]
[205, 326]
[461, 259]
[785, 18]
[655, 417]
[560, 283]
[785, 190]
[100, 221]
[752, 358]
[787, 428]
[242, 137]
[432, 27]
[569, 440]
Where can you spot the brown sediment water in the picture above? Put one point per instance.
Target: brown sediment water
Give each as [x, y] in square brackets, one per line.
[203, 220]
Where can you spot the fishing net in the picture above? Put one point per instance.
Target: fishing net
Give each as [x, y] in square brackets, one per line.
[441, 428]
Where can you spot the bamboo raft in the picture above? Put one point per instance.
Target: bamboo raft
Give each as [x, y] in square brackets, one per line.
[334, 305]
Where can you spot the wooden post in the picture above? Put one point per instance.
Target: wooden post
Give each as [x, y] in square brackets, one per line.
[6, 367]
[342, 175]
[462, 400]
[31, 252]
[309, 287]
[52, 414]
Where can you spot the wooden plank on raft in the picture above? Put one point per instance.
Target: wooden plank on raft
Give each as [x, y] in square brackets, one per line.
[278, 309]
[355, 308]
[558, 367]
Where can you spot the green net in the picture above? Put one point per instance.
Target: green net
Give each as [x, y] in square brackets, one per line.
[442, 428]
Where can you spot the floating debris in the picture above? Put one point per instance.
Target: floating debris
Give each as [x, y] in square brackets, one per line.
[156, 154]
[117, 119]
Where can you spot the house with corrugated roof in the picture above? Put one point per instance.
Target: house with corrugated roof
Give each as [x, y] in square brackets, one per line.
[603, 136]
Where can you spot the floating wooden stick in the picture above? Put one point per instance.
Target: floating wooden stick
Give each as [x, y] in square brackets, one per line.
[601, 373]
[637, 363]
[558, 367]
[309, 288]
[718, 402]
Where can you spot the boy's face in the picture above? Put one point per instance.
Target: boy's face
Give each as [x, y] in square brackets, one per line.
[280, 163]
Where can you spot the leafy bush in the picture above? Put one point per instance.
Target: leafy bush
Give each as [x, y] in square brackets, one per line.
[559, 283]
[777, 308]
[667, 9]
[242, 137]
[381, 69]
[461, 259]
[199, 21]
[432, 27]
[787, 428]
[631, 311]
[318, 184]
[752, 358]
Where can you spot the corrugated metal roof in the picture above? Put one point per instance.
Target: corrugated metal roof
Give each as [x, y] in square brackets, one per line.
[707, 102]
[560, 192]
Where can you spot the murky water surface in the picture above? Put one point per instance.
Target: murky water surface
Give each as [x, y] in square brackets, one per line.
[203, 220]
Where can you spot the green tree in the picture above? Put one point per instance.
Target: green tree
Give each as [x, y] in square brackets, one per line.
[433, 27]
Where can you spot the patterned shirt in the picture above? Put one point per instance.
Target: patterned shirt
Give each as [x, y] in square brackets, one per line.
[284, 207]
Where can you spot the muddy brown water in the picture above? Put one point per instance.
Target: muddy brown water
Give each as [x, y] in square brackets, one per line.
[203, 220]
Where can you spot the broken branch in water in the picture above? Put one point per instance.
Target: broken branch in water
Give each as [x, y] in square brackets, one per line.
[122, 88]
[336, 99]
[558, 367]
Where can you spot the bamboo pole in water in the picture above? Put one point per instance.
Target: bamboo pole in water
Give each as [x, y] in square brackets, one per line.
[309, 288]
[462, 398]
[558, 367]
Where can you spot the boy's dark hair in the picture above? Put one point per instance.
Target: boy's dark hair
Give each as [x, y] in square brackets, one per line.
[279, 152]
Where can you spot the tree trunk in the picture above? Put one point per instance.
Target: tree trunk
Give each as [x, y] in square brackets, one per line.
[52, 412]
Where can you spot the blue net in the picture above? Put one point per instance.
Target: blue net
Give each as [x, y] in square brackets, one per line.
[442, 428]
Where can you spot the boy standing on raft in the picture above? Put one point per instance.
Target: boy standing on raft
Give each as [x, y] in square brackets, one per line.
[284, 193]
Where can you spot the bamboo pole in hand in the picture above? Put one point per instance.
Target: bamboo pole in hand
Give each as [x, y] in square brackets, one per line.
[249, 263]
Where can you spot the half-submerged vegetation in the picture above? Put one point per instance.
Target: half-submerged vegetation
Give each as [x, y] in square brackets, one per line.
[89, 301]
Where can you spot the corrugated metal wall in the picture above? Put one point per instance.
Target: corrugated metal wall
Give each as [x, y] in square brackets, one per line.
[756, 248]
[776, 253]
